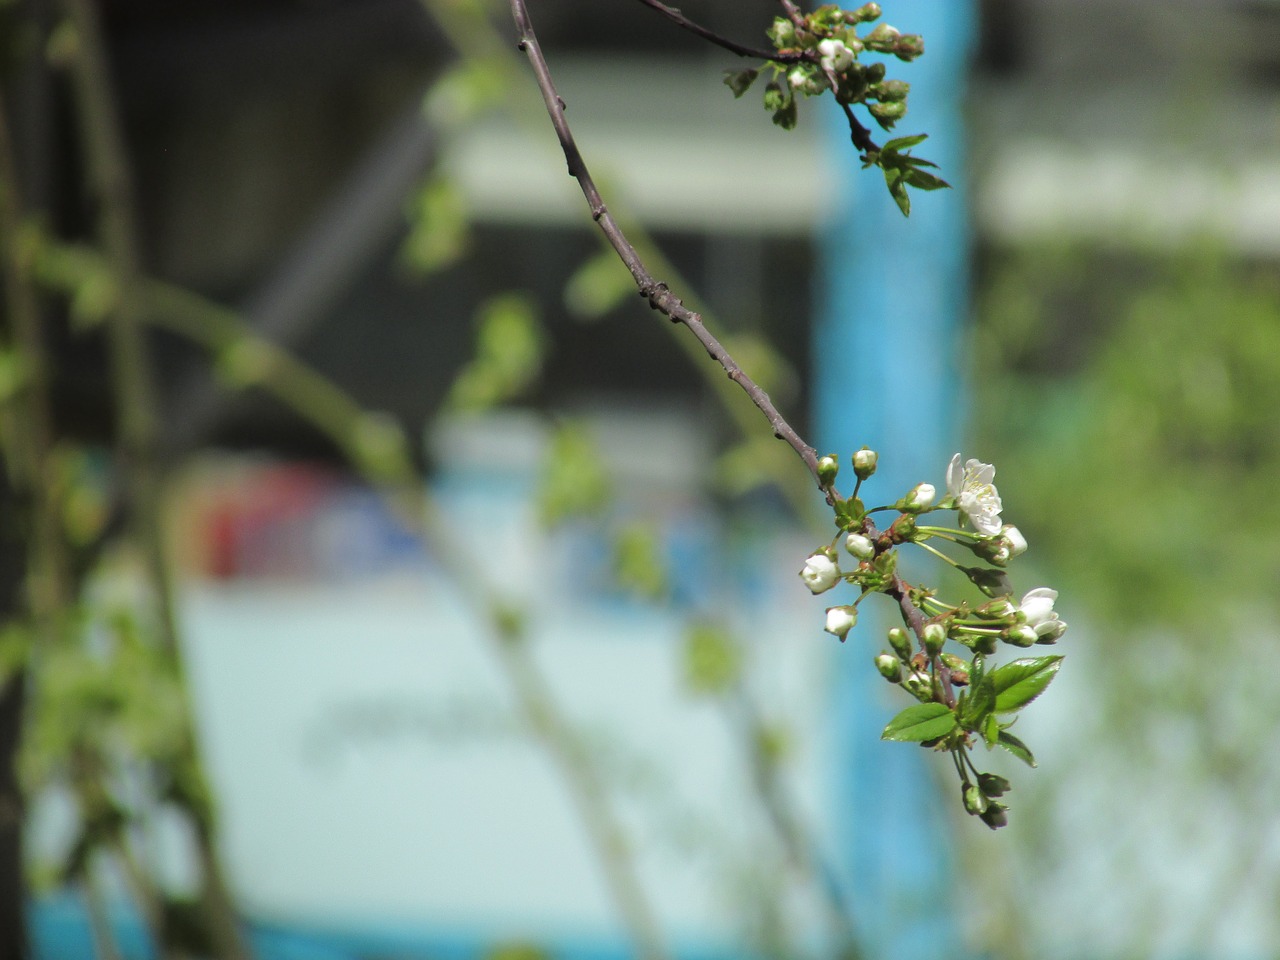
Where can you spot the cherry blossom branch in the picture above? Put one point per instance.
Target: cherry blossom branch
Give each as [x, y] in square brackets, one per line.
[680, 20]
[656, 292]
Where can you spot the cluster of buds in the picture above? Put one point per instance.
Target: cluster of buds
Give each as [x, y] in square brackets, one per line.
[961, 699]
[819, 51]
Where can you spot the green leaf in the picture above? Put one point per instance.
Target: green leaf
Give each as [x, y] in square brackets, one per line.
[905, 143]
[923, 180]
[740, 82]
[991, 730]
[899, 193]
[924, 721]
[980, 704]
[1016, 747]
[786, 115]
[1021, 681]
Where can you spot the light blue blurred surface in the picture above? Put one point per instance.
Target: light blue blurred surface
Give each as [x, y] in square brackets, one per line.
[893, 293]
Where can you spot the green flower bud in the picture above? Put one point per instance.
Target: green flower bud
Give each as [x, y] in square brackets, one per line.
[875, 73]
[890, 667]
[901, 642]
[974, 802]
[935, 635]
[895, 110]
[1020, 635]
[992, 785]
[919, 685]
[828, 467]
[994, 816]
[919, 498]
[783, 32]
[864, 462]
[892, 91]
[864, 14]
[1050, 631]
[994, 583]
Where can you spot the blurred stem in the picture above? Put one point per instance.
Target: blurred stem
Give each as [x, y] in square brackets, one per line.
[388, 466]
[801, 849]
[106, 163]
[95, 905]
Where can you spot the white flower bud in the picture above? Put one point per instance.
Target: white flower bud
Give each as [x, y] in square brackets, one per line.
[797, 78]
[864, 462]
[1013, 536]
[935, 635]
[860, 546]
[1049, 631]
[840, 620]
[820, 572]
[920, 497]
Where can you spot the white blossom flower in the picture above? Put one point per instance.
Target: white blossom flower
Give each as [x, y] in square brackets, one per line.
[797, 78]
[975, 495]
[820, 572]
[840, 620]
[860, 546]
[835, 56]
[1036, 608]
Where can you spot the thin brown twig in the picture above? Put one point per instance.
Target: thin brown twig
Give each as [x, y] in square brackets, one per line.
[680, 20]
[656, 292]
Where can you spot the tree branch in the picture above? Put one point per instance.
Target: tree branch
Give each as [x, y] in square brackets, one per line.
[680, 20]
[657, 293]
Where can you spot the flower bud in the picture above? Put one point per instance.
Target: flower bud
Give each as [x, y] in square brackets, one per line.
[893, 110]
[835, 56]
[919, 686]
[828, 467]
[883, 34]
[865, 13]
[994, 816]
[901, 642]
[860, 546]
[1050, 631]
[840, 621]
[1014, 538]
[1020, 635]
[992, 785]
[864, 462]
[820, 572]
[935, 635]
[891, 91]
[920, 498]
[974, 802]
[890, 667]
[1000, 608]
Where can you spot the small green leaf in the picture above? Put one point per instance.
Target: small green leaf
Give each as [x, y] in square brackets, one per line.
[924, 721]
[981, 702]
[991, 730]
[740, 82]
[786, 116]
[899, 193]
[1016, 747]
[922, 180]
[1019, 682]
[898, 144]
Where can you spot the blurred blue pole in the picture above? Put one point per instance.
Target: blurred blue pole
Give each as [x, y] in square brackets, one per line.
[893, 293]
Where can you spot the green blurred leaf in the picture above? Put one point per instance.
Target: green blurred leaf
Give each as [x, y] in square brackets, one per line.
[599, 285]
[637, 560]
[980, 703]
[898, 144]
[509, 351]
[439, 228]
[924, 721]
[574, 481]
[712, 660]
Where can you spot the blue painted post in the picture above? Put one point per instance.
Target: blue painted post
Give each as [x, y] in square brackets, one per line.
[893, 293]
